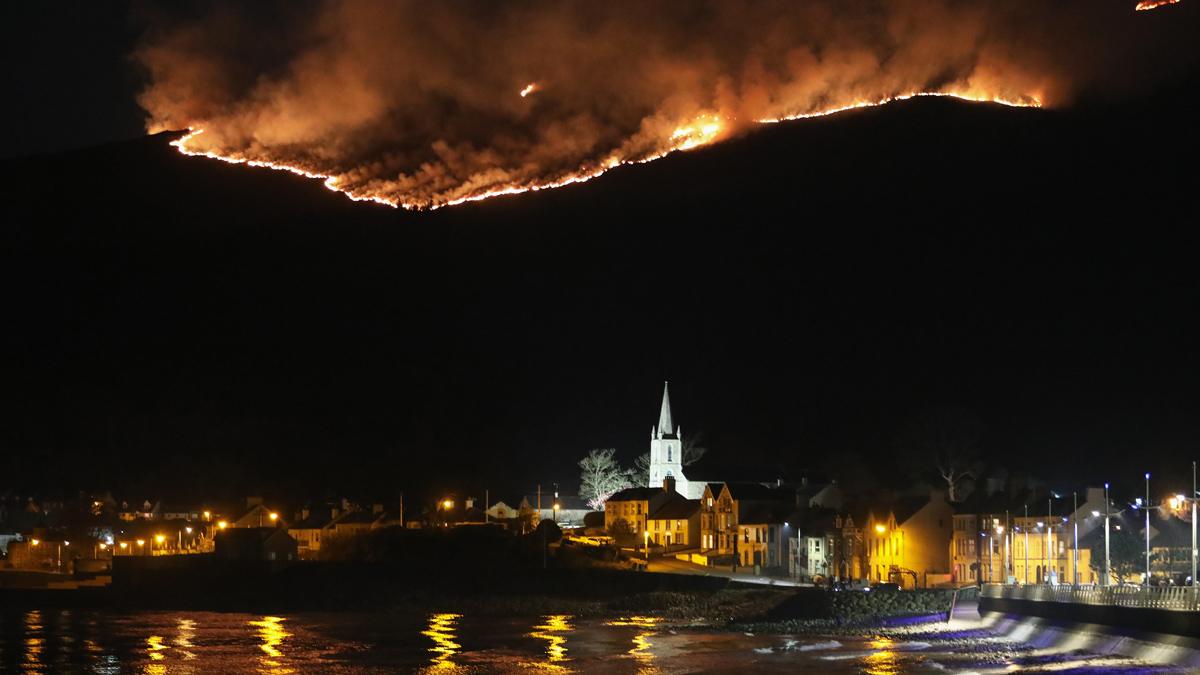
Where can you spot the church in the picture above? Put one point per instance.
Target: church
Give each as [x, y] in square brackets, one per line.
[666, 453]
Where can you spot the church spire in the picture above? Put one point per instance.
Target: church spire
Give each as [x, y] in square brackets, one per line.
[665, 427]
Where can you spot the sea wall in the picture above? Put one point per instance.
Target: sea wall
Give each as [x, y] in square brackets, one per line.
[1147, 620]
[1060, 636]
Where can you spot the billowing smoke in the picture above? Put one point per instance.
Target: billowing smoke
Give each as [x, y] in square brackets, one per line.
[423, 104]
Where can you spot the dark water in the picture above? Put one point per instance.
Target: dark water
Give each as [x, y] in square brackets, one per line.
[202, 642]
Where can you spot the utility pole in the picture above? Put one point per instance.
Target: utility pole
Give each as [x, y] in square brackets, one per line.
[487, 504]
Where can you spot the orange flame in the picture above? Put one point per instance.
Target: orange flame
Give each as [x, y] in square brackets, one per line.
[529, 89]
[702, 130]
[1145, 5]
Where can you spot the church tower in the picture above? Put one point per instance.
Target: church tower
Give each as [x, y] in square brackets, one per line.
[666, 449]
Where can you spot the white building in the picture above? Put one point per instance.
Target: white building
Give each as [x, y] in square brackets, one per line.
[666, 453]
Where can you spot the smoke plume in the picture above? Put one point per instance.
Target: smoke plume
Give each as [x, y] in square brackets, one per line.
[423, 104]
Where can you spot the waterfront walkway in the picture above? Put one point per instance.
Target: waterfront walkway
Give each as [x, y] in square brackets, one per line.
[676, 566]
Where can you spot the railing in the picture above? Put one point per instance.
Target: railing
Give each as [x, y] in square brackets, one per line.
[1178, 598]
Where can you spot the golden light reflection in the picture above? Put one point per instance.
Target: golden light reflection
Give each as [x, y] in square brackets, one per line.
[33, 642]
[183, 638]
[551, 630]
[641, 640]
[155, 647]
[442, 630]
[272, 634]
[885, 661]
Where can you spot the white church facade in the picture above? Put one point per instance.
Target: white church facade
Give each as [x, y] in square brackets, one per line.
[666, 453]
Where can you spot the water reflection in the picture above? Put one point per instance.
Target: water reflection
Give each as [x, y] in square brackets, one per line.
[34, 642]
[272, 634]
[641, 641]
[186, 630]
[442, 629]
[885, 661]
[551, 630]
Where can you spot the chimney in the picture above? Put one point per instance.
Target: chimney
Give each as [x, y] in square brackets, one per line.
[669, 484]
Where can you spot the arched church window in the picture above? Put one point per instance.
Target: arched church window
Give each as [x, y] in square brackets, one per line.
[668, 453]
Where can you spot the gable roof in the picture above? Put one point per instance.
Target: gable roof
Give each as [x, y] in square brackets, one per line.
[758, 491]
[636, 494]
[676, 508]
[765, 513]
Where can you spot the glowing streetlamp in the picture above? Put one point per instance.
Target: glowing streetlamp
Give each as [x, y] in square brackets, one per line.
[1147, 581]
[448, 504]
[273, 516]
[880, 529]
[35, 542]
[555, 513]
[222, 524]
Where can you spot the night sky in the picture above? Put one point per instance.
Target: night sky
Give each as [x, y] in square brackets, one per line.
[181, 325]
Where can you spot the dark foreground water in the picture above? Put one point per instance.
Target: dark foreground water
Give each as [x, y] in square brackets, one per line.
[202, 642]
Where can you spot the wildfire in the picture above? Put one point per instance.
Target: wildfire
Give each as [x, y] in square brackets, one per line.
[1146, 5]
[700, 131]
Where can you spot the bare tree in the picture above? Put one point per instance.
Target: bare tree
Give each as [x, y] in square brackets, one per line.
[602, 477]
[691, 451]
[949, 440]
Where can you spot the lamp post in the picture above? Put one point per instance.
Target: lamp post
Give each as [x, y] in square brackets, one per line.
[1026, 528]
[1075, 547]
[1049, 538]
[1146, 582]
[1107, 514]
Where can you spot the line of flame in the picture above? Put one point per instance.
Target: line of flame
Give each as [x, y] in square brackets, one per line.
[702, 131]
[1145, 5]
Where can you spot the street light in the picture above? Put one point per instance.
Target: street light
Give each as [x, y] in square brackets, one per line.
[222, 524]
[273, 516]
[1147, 581]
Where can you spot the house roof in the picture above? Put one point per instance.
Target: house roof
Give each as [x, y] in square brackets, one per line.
[1172, 533]
[316, 520]
[636, 494]
[358, 518]
[676, 508]
[247, 536]
[765, 513]
[758, 491]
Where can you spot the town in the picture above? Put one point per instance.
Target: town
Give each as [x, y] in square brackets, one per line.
[664, 514]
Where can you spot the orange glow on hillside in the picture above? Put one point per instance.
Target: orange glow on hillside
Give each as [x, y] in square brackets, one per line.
[1145, 5]
[703, 129]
